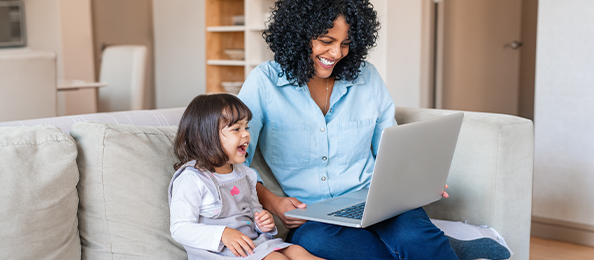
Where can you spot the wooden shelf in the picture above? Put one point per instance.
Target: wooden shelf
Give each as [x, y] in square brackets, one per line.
[226, 62]
[233, 63]
[257, 29]
[230, 28]
[221, 34]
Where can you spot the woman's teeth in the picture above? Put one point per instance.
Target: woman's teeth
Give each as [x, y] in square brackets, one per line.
[326, 62]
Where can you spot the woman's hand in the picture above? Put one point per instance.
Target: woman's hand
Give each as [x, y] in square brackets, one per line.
[445, 194]
[279, 205]
[264, 221]
[237, 242]
[285, 204]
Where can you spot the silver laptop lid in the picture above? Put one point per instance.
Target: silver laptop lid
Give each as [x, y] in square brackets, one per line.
[414, 161]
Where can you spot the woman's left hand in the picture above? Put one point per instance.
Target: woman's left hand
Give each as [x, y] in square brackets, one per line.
[445, 193]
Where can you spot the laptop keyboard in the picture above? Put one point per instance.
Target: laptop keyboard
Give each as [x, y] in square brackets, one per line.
[354, 212]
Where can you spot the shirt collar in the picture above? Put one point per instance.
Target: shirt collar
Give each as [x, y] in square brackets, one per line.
[283, 82]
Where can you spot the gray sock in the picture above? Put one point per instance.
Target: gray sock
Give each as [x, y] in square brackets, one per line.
[479, 248]
[474, 242]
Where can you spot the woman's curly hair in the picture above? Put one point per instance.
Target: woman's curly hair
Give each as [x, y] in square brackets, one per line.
[295, 23]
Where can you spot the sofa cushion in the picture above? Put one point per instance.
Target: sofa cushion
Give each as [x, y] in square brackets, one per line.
[124, 174]
[38, 198]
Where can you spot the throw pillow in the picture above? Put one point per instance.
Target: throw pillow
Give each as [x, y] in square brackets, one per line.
[124, 174]
[38, 198]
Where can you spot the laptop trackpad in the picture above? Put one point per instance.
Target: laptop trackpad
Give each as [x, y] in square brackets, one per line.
[360, 194]
[340, 202]
[346, 200]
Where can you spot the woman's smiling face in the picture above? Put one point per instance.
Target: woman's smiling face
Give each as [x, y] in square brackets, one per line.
[328, 49]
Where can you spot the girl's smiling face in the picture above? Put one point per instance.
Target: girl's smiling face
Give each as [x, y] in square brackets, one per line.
[234, 140]
[328, 49]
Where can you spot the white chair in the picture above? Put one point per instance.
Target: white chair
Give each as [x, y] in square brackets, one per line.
[123, 68]
[27, 85]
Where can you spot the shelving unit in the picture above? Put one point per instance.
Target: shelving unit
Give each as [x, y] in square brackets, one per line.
[222, 34]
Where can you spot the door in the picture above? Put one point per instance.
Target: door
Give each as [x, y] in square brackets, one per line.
[478, 63]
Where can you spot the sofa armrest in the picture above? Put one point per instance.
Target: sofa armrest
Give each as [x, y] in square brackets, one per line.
[491, 174]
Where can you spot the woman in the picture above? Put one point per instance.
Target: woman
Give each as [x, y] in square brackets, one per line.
[317, 110]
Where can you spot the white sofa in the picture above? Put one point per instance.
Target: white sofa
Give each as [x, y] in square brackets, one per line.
[94, 186]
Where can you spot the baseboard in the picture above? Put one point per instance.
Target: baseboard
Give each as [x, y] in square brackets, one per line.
[563, 230]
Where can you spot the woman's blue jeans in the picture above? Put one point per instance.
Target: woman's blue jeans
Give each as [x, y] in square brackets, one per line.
[410, 235]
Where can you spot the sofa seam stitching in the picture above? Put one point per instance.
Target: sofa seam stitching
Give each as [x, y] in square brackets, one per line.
[103, 187]
[145, 133]
[35, 143]
[494, 179]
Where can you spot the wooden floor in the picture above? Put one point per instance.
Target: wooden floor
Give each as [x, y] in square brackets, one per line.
[543, 249]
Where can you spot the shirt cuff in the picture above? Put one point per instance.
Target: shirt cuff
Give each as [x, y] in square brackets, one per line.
[272, 232]
[217, 236]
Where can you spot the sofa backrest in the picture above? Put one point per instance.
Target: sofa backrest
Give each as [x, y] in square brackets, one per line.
[158, 117]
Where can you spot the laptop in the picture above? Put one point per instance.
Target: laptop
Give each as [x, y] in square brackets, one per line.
[411, 169]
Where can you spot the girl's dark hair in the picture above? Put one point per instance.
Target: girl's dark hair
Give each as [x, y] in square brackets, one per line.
[198, 133]
[294, 23]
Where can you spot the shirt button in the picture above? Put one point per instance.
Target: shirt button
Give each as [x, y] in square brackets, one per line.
[330, 111]
[324, 158]
[324, 178]
[323, 129]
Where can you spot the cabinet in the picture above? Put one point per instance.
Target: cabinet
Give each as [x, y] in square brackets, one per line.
[223, 34]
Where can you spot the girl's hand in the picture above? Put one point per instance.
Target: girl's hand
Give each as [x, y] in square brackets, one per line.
[237, 242]
[264, 221]
[445, 194]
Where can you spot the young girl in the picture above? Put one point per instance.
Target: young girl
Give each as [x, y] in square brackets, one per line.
[215, 212]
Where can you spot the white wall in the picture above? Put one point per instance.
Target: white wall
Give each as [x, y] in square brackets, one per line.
[402, 55]
[180, 55]
[564, 112]
[377, 55]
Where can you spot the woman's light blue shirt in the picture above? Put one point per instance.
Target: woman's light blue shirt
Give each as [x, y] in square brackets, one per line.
[316, 157]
